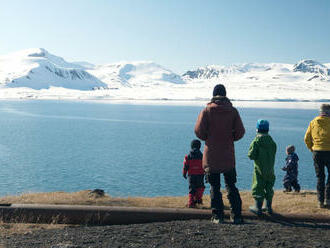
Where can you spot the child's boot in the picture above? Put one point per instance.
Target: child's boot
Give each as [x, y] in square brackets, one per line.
[321, 205]
[327, 202]
[191, 201]
[200, 192]
[287, 189]
[296, 187]
[196, 197]
[217, 217]
[269, 206]
[257, 208]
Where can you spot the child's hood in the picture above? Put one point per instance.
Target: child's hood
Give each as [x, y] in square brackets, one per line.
[220, 104]
[265, 140]
[195, 153]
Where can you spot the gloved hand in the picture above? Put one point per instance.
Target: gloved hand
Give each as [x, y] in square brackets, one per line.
[185, 176]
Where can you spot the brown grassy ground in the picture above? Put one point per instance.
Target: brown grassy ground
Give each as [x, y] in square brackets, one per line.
[295, 203]
[299, 203]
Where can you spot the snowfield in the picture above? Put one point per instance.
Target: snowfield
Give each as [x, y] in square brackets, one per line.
[37, 74]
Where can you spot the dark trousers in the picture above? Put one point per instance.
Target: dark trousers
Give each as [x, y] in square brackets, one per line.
[288, 184]
[195, 182]
[232, 193]
[322, 160]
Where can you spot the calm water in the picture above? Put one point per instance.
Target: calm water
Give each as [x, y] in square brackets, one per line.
[124, 149]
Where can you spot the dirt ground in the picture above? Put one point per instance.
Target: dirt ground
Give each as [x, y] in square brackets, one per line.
[192, 233]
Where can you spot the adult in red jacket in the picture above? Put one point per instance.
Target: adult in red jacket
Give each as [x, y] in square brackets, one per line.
[219, 125]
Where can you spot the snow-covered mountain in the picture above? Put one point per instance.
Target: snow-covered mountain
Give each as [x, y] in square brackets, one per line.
[38, 69]
[135, 74]
[84, 64]
[37, 73]
[216, 71]
[319, 70]
[303, 70]
[307, 80]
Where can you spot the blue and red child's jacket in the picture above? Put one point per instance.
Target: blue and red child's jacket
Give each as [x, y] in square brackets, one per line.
[192, 163]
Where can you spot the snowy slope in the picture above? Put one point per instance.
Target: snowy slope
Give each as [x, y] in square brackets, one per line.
[38, 69]
[84, 64]
[35, 73]
[135, 74]
[306, 80]
[304, 70]
[319, 70]
[218, 71]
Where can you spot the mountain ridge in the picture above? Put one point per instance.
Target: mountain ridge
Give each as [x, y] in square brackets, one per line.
[37, 69]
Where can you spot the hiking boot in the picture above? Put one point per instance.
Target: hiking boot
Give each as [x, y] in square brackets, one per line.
[191, 202]
[297, 188]
[217, 219]
[287, 190]
[199, 195]
[327, 202]
[236, 220]
[321, 205]
[257, 208]
[269, 207]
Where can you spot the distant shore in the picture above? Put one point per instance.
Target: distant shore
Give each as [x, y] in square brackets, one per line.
[282, 104]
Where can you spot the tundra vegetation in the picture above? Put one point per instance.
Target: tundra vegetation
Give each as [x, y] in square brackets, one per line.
[286, 203]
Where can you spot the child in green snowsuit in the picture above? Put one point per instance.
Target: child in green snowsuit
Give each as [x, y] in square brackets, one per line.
[262, 151]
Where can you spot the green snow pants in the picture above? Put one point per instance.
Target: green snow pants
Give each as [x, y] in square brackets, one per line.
[262, 188]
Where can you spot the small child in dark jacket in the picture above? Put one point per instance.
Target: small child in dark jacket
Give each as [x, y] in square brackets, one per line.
[192, 165]
[290, 179]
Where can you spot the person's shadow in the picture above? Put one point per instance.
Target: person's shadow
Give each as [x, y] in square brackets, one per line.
[280, 219]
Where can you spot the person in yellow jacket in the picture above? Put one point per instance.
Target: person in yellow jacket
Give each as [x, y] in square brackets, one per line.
[317, 139]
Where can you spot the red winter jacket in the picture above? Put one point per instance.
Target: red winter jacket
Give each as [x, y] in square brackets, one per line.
[193, 163]
[219, 125]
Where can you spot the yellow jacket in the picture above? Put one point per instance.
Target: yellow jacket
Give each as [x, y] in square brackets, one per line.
[317, 137]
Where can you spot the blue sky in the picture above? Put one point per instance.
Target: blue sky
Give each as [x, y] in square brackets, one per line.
[178, 34]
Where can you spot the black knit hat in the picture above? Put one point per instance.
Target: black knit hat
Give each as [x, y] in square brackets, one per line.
[195, 144]
[325, 109]
[219, 90]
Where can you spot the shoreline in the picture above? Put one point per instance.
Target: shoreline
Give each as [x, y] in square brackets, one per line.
[280, 104]
[254, 233]
[294, 203]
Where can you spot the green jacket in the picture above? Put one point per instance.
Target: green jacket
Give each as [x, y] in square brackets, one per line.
[262, 151]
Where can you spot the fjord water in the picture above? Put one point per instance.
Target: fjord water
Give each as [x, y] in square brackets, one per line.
[127, 150]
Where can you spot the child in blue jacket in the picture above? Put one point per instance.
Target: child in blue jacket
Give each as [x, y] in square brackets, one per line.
[290, 179]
